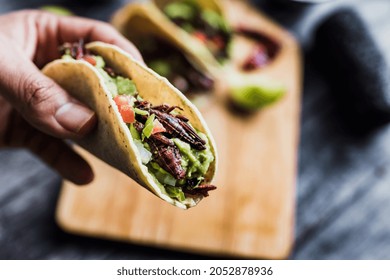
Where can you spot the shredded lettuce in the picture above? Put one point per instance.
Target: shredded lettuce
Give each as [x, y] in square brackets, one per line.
[147, 131]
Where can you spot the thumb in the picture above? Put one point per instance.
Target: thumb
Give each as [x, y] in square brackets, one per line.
[42, 102]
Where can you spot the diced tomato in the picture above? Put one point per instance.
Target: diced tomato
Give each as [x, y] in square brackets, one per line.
[121, 100]
[127, 113]
[90, 59]
[125, 109]
[157, 127]
[201, 36]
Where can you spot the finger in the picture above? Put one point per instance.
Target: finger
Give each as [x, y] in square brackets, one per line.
[63, 159]
[75, 28]
[42, 102]
[5, 113]
[54, 31]
[54, 152]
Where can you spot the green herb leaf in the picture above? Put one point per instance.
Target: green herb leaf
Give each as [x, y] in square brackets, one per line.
[147, 131]
[140, 112]
[134, 132]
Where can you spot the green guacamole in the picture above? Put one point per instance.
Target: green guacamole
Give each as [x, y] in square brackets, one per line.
[115, 85]
[195, 163]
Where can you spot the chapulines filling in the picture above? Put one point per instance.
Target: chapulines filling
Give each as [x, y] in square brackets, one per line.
[175, 153]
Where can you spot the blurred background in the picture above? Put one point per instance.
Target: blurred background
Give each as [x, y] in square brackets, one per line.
[343, 183]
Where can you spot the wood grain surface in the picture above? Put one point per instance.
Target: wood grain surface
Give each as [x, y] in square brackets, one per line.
[343, 194]
[252, 212]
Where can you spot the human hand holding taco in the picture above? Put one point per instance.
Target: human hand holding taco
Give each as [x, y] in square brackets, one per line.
[34, 110]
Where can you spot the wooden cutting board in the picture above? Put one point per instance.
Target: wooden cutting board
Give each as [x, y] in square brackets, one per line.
[252, 212]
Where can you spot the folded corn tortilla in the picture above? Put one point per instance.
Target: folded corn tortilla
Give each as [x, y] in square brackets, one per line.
[111, 141]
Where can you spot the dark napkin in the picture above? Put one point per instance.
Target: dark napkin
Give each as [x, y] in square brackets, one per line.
[357, 71]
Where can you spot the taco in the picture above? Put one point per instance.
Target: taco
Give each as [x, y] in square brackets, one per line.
[184, 60]
[147, 129]
[203, 20]
[168, 61]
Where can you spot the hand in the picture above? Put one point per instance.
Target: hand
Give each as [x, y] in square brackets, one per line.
[35, 112]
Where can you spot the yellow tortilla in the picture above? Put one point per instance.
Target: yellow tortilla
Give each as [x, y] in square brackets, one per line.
[137, 20]
[111, 141]
[214, 5]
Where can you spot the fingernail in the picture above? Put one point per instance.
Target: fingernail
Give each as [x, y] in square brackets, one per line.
[75, 118]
